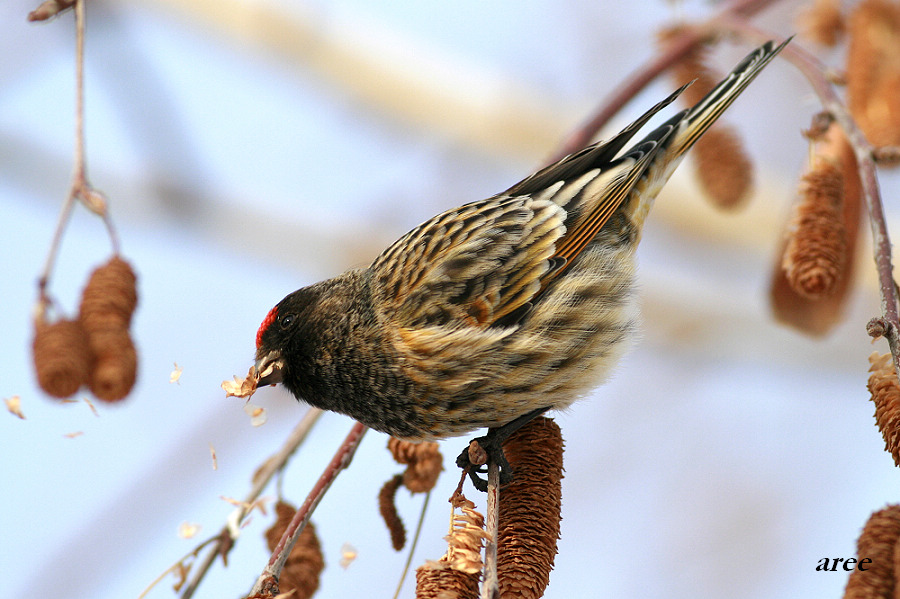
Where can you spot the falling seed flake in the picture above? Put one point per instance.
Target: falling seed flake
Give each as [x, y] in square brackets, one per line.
[188, 530]
[241, 387]
[73, 435]
[257, 414]
[175, 376]
[234, 502]
[91, 405]
[212, 452]
[240, 517]
[14, 406]
[259, 504]
[348, 555]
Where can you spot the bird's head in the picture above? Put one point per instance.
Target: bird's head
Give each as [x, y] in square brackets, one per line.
[285, 338]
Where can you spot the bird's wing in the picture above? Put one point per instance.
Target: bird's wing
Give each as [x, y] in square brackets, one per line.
[469, 265]
[484, 263]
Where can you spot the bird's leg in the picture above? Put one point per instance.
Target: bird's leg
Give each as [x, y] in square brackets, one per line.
[489, 448]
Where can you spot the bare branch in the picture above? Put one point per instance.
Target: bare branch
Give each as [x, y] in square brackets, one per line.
[271, 466]
[269, 577]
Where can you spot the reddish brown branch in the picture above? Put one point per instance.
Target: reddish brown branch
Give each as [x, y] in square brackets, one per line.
[265, 473]
[268, 580]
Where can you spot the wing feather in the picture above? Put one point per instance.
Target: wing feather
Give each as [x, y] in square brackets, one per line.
[473, 265]
[484, 263]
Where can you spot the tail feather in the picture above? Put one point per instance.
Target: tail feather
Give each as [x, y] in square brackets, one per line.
[596, 155]
[676, 136]
[703, 114]
[608, 180]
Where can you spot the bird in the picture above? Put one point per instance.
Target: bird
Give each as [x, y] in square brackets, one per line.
[490, 314]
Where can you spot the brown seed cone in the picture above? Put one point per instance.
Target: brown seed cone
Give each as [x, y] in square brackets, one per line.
[873, 70]
[403, 452]
[819, 316]
[388, 510]
[723, 166]
[885, 391]
[107, 304]
[878, 542]
[822, 22]
[62, 358]
[421, 475]
[115, 364]
[110, 297]
[457, 573]
[693, 66]
[466, 538]
[816, 254]
[530, 509]
[305, 563]
[424, 463]
[437, 580]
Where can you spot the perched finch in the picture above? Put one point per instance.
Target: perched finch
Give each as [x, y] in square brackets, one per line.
[494, 312]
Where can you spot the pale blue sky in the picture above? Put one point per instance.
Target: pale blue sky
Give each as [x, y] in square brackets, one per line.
[725, 457]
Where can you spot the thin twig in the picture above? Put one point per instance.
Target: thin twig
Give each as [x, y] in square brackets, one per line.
[270, 467]
[192, 553]
[415, 541]
[80, 188]
[79, 175]
[268, 580]
[490, 589]
[78, 168]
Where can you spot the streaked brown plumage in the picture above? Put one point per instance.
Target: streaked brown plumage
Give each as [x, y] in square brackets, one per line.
[497, 309]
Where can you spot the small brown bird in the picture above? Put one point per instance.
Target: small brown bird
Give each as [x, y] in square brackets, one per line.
[491, 313]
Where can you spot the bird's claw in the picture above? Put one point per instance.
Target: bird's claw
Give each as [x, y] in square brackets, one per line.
[475, 458]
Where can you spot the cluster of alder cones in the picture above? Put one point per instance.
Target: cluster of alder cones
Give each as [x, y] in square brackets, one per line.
[811, 288]
[95, 349]
[529, 518]
[811, 280]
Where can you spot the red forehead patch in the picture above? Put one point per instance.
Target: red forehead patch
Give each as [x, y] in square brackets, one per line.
[268, 320]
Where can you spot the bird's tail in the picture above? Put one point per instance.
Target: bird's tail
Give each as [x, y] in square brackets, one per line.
[702, 115]
[678, 134]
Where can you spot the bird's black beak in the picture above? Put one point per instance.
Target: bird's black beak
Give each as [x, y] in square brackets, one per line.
[269, 369]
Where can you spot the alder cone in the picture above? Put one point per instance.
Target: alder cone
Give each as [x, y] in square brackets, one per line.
[437, 580]
[107, 304]
[723, 167]
[530, 509]
[110, 297]
[62, 357]
[115, 364]
[873, 70]
[816, 253]
[878, 542]
[305, 563]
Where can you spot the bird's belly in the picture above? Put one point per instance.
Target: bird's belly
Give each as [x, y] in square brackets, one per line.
[568, 345]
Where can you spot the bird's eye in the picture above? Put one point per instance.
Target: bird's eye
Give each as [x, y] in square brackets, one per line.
[287, 320]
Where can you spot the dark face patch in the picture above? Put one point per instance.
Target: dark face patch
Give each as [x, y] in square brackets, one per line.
[285, 324]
